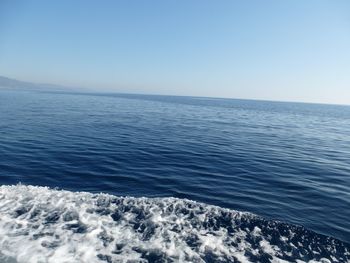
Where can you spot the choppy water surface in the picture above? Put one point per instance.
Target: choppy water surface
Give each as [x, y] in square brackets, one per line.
[286, 162]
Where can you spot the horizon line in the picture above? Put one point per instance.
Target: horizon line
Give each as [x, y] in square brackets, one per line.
[91, 91]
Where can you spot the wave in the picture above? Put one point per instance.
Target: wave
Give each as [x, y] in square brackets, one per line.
[39, 224]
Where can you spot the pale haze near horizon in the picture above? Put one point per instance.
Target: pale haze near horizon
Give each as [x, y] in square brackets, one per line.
[271, 50]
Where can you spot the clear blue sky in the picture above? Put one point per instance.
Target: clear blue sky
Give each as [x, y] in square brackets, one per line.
[294, 50]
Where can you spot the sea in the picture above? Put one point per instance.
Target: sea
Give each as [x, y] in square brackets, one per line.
[97, 177]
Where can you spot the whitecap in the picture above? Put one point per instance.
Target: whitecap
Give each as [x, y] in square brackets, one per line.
[38, 224]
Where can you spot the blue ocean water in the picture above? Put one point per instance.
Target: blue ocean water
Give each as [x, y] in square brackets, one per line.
[288, 162]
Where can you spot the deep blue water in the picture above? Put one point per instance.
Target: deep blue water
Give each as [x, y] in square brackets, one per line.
[283, 161]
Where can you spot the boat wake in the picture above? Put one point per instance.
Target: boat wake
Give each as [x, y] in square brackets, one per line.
[38, 224]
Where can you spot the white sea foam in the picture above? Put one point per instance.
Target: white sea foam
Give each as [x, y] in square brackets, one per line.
[38, 224]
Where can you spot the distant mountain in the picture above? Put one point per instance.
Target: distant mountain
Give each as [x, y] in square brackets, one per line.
[9, 83]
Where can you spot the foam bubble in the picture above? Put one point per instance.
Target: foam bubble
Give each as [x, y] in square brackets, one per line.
[38, 224]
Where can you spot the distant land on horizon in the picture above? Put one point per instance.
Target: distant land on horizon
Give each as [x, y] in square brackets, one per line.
[6, 82]
[10, 83]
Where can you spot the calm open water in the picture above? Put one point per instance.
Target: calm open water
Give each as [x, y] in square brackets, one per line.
[282, 161]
